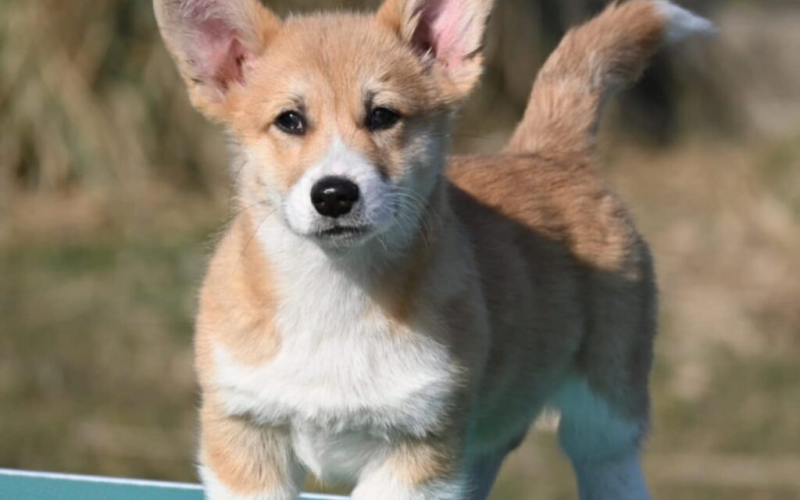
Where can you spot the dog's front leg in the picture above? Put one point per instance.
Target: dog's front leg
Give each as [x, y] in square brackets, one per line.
[415, 470]
[243, 461]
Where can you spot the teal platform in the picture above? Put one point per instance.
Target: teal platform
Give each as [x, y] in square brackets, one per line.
[22, 485]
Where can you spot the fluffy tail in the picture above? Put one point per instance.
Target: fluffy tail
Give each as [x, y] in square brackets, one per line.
[593, 62]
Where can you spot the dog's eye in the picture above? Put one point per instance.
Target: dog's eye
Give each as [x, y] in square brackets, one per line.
[382, 119]
[291, 122]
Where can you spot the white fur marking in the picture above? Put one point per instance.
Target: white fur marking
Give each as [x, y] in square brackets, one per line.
[340, 380]
[373, 207]
[603, 446]
[682, 23]
[344, 374]
[337, 457]
[384, 484]
[589, 428]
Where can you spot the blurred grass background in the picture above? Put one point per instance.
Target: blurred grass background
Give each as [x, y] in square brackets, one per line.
[111, 189]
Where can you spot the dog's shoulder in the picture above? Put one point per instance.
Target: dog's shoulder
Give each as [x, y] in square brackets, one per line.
[237, 301]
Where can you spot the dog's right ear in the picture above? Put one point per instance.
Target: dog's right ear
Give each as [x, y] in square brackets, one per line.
[215, 44]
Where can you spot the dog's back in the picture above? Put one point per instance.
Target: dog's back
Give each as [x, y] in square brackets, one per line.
[568, 279]
[569, 282]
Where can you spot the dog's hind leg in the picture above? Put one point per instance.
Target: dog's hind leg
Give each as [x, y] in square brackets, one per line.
[482, 471]
[602, 444]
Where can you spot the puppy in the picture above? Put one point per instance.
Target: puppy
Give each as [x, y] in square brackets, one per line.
[383, 314]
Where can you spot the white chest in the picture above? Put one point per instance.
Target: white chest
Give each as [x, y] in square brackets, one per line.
[345, 378]
[341, 381]
[341, 365]
[344, 391]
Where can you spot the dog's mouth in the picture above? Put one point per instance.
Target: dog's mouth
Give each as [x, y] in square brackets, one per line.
[342, 232]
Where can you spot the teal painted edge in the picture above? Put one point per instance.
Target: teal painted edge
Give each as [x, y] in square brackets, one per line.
[25, 485]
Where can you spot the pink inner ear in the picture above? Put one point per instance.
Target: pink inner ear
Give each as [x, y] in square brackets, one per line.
[222, 55]
[218, 54]
[443, 28]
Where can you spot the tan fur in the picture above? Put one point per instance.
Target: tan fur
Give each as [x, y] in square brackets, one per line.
[422, 462]
[246, 458]
[237, 302]
[525, 269]
[569, 247]
[564, 108]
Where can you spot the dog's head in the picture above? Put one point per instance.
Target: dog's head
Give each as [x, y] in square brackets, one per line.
[341, 120]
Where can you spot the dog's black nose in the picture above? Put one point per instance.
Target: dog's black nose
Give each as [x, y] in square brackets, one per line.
[334, 196]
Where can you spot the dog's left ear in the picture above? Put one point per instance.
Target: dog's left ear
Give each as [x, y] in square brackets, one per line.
[446, 33]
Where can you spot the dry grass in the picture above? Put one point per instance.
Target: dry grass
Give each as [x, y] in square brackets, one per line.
[94, 120]
[110, 187]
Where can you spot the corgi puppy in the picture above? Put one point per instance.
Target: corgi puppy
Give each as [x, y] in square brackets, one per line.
[383, 314]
